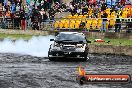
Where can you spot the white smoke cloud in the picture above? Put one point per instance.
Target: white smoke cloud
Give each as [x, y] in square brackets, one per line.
[36, 46]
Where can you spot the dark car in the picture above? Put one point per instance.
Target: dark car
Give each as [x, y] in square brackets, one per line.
[69, 45]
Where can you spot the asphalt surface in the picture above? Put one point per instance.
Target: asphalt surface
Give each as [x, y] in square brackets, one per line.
[25, 71]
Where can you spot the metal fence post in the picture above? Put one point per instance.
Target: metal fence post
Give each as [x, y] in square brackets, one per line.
[13, 23]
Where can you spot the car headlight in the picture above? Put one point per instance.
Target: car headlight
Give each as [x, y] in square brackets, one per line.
[55, 47]
[79, 46]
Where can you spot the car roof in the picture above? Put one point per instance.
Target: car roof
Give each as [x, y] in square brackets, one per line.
[71, 33]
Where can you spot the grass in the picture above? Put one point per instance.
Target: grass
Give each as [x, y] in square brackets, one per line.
[15, 36]
[122, 42]
[112, 41]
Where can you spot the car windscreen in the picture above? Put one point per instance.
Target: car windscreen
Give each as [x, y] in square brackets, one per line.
[71, 37]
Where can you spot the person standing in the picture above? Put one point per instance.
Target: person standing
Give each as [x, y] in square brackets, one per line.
[104, 18]
[118, 23]
[103, 6]
[51, 13]
[18, 8]
[23, 19]
[17, 20]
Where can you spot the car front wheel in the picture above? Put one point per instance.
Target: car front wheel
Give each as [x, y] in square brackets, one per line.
[51, 59]
[85, 57]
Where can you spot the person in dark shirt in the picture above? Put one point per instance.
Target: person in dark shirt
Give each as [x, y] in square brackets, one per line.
[118, 23]
[35, 24]
[45, 17]
[23, 19]
[104, 21]
[12, 15]
[16, 20]
[51, 14]
[7, 8]
[36, 19]
[103, 6]
[85, 10]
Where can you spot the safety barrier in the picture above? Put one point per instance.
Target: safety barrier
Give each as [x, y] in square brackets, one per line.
[87, 24]
[8, 23]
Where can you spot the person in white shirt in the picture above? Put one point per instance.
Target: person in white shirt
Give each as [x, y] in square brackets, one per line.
[17, 8]
[42, 12]
[37, 3]
[42, 2]
[79, 10]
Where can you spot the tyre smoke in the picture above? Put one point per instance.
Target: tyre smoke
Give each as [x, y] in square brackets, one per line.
[36, 46]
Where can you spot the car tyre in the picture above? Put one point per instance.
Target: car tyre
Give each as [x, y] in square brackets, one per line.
[85, 58]
[51, 59]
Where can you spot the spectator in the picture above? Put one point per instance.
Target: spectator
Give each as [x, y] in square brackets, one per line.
[104, 17]
[12, 15]
[96, 11]
[41, 6]
[118, 23]
[76, 7]
[122, 2]
[1, 14]
[16, 19]
[45, 5]
[13, 7]
[129, 26]
[42, 2]
[7, 8]
[129, 2]
[1, 7]
[51, 14]
[18, 8]
[103, 6]
[23, 19]
[79, 10]
[37, 3]
[1, 10]
[8, 13]
[44, 16]
[85, 10]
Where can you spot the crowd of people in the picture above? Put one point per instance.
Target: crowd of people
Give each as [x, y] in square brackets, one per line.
[100, 7]
[25, 14]
[33, 13]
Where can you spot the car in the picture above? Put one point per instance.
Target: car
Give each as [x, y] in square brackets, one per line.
[69, 45]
